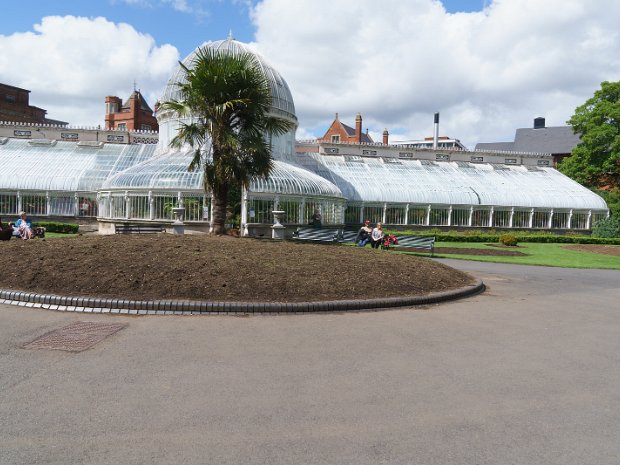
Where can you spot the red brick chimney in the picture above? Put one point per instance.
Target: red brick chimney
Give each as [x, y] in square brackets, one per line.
[386, 136]
[358, 128]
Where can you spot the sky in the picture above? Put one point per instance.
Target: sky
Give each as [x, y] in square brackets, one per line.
[488, 66]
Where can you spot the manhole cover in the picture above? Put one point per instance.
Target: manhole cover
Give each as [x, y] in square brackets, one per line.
[75, 337]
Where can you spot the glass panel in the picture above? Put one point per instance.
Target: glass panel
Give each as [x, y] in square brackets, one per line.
[521, 219]
[117, 206]
[87, 206]
[374, 214]
[8, 204]
[291, 209]
[260, 211]
[395, 215]
[540, 220]
[417, 215]
[480, 218]
[597, 216]
[194, 208]
[139, 205]
[439, 216]
[559, 220]
[34, 204]
[579, 221]
[460, 217]
[163, 205]
[352, 214]
[501, 218]
[62, 205]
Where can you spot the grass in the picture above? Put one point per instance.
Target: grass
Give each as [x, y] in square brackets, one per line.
[539, 254]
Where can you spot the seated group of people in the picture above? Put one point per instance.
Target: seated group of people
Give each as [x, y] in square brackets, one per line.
[367, 235]
[22, 228]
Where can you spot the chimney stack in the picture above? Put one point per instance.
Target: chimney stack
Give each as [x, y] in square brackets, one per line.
[539, 123]
[386, 136]
[436, 134]
[358, 128]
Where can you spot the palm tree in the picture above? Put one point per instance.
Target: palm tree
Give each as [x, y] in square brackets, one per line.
[226, 98]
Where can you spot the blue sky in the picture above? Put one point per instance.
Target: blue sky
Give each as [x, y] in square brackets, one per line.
[185, 25]
[488, 66]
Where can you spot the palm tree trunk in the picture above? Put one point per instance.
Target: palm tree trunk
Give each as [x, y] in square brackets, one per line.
[220, 202]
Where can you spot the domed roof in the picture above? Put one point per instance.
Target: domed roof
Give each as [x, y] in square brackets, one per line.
[282, 100]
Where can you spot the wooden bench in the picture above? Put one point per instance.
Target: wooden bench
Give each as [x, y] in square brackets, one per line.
[317, 235]
[126, 228]
[413, 242]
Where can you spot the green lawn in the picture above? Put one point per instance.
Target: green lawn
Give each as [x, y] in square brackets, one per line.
[539, 254]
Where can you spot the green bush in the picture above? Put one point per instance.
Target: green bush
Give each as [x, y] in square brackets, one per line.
[509, 240]
[55, 227]
[522, 236]
[609, 227]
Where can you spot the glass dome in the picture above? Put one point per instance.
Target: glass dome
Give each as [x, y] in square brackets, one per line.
[282, 100]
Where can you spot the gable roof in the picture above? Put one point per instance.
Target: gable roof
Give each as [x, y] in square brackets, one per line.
[142, 103]
[553, 140]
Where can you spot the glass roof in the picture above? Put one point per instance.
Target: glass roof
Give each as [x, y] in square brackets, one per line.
[423, 182]
[64, 166]
[169, 171]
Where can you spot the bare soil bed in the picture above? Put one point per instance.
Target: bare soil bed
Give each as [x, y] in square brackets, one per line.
[495, 252]
[596, 248]
[192, 267]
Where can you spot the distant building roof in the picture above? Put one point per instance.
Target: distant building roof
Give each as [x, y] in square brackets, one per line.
[554, 140]
[143, 105]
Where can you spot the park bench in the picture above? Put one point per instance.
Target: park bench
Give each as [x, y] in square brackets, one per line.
[317, 235]
[127, 228]
[413, 242]
[347, 236]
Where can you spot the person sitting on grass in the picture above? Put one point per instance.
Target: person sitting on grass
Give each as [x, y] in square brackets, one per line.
[6, 231]
[363, 235]
[376, 236]
[23, 227]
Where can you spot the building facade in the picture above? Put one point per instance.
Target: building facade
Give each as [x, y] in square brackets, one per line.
[15, 107]
[133, 115]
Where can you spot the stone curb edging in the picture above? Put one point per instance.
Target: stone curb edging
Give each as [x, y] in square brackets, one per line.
[185, 307]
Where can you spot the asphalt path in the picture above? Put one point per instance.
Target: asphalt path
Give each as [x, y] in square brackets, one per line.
[526, 373]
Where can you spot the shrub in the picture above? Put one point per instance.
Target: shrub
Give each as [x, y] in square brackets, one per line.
[509, 240]
[55, 227]
[609, 227]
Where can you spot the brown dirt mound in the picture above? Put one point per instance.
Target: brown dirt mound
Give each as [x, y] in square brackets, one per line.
[596, 248]
[162, 266]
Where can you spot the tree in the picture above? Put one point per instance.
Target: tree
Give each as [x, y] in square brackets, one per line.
[226, 98]
[595, 162]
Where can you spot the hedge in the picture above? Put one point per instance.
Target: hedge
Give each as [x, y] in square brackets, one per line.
[55, 227]
[522, 236]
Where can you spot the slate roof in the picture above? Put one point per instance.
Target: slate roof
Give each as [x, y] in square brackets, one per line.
[351, 133]
[553, 140]
[143, 105]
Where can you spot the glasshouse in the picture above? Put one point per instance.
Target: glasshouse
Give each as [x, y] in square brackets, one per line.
[142, 183]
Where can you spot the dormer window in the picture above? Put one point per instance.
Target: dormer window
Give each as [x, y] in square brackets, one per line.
[335, 139]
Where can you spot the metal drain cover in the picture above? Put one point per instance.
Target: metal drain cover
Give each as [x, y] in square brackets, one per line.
[76, 337]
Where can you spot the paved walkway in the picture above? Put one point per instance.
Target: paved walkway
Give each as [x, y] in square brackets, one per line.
[526, 373]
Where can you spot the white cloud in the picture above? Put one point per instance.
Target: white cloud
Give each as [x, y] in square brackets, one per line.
[71, 63]
[398, 62]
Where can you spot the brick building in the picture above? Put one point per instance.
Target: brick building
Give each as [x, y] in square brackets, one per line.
[134, 114]
[15, 107]
[340, 132]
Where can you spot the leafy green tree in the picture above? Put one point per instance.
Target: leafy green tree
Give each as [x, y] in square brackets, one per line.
[595, 162]
[226, 98]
